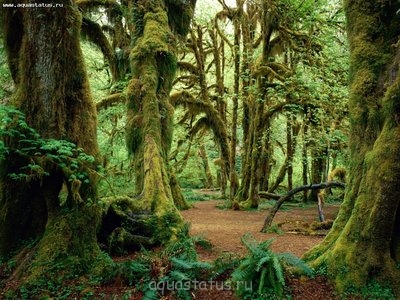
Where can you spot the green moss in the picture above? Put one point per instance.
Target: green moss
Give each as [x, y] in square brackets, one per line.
[156, 37]
[180, 14]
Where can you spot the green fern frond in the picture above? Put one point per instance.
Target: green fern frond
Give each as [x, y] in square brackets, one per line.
[262, 261]
[277, 269]
[189, 265]
[181, 263]
[176, 276]
[295, 262]
[272, 278]
[243, 274]
[150, 294]
[261, 284]
[266, 244]
[249, 242]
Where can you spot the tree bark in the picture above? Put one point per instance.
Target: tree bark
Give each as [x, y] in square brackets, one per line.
[150, 113]
[363, 244]
[52, 90]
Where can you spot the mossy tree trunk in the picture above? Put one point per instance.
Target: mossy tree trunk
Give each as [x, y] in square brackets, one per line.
[158, 23]
[304, 158]
[207, 171]
[233, 176]
[219, 61]
[363, 244]
[52, 90]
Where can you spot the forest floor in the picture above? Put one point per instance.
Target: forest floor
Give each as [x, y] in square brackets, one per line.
[224, 229]
[293, 229]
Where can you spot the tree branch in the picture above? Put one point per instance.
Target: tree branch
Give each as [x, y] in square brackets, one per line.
[86, 5]
[278, 204]
[93, 32]
[268, 195]
[110, 100]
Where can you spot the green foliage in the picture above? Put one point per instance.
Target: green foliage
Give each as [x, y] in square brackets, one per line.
[41, 155]
[170, 270]
[275, 228]
[263, 270]
[5, 76]
[373, 291]
[194, 196]
[224, 264]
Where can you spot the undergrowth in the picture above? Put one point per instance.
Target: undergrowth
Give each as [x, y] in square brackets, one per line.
[171, 270]
[260, 275]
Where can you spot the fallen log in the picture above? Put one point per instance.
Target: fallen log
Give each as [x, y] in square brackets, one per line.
[288, 195]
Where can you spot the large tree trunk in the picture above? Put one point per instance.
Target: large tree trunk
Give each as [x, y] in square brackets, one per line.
[363, 244]
[52, 90]
[150, 113]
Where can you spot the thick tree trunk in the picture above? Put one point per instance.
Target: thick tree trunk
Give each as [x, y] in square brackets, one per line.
[150, 114]
[206, 166]
[304, 161]
[52, 90]
[363, 244]
[233, 176]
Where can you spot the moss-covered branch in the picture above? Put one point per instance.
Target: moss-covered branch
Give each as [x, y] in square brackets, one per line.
[86, 5]
[93, 32]
[290, 194]
[110, 101]
[212, 120]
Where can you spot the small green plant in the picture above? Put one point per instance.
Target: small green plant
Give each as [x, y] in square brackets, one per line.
[193, 196]
[263, 270]
[169, 271]
[225, 263]
[40, 155]
[275, 228]
[372, 291]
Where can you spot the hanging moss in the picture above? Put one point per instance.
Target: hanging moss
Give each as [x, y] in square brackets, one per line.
[180, 14]
[150, 120]
[156, 39]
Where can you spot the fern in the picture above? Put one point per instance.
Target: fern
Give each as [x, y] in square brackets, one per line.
[150, 294]
[293, 261]
[264, 269]
[171, 270]
[223, 264]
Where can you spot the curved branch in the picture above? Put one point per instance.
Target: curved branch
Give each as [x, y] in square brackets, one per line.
[278, 108]
[93, 32]
[220, 16]
[186, 66]
[268, 195]
[278, 204]
[86, 5]
[266, 71]
[213, 120]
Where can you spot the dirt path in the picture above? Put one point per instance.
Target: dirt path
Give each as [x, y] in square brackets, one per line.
[224, 228]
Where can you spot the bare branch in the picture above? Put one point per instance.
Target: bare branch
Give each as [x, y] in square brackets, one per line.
[278, 204]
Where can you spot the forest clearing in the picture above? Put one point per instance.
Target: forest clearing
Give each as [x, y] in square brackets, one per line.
[200, 149]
